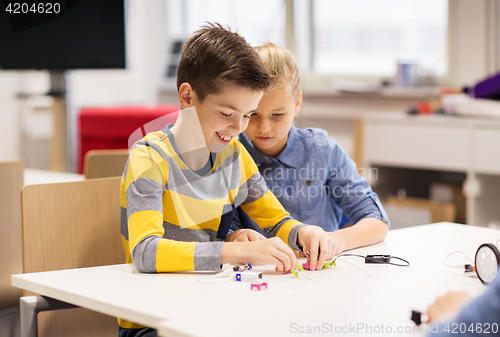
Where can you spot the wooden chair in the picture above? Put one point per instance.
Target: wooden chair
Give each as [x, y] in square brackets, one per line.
[104, 163]
[72, 225]
[11, 183]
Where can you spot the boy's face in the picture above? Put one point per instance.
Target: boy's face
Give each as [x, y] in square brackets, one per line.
[269, 125]
[225, 115]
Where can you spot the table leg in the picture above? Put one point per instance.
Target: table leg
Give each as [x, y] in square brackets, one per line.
[31, 305]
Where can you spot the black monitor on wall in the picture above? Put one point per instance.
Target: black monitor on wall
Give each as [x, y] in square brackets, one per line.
[60, 35]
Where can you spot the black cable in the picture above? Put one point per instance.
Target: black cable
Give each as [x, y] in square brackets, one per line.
[378, 259]
[362, 256]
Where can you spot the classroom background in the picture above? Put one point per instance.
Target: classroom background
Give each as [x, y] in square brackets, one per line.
[385, 78]
[409, 88]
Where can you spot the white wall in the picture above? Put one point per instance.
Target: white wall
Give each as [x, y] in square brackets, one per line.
[9, 115]
[467, 45]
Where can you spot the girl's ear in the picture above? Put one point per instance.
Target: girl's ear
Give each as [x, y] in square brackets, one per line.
[186, 95]
[298, 103]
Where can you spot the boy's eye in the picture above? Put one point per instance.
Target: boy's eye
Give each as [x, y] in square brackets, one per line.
[277, 115]
[225, 115]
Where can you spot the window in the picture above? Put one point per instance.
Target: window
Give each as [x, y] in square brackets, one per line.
[346, 38]
[257, 21]
[369, 37]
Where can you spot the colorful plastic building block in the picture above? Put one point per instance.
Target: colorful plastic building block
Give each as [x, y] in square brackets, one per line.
[327, 264]
[258, 286]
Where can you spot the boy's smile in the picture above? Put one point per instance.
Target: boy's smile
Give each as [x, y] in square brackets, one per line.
[224, 138]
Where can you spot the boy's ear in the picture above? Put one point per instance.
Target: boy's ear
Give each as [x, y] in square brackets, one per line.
[298, 103]
[186, 95]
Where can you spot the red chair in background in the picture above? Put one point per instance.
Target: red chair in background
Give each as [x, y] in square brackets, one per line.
[111, 127]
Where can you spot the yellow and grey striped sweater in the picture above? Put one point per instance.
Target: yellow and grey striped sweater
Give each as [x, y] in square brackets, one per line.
[175, 219]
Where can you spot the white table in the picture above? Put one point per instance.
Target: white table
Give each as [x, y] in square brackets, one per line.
[177, 304]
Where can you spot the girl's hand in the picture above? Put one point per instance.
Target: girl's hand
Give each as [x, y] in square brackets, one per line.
[339, 244]
[244, 235]
[316, 241]
[269, 251]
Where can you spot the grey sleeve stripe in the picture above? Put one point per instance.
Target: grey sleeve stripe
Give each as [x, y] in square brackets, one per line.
[144, 195]
[144, 254]
[207, 255]
[293, 237]
[152, 145]
[273, 230]
[124, 222]
[125, 170]
[255, 187]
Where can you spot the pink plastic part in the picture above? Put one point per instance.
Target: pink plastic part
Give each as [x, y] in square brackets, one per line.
[258, 286]
[305, 265]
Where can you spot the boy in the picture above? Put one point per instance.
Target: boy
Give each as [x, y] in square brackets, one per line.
[181, 185]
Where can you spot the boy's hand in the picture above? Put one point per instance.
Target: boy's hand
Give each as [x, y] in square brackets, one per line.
[447, 306]
[311, 239]
[269, 251]
[244, 235]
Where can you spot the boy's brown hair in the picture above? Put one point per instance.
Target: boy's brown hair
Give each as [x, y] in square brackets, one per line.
[214, 56]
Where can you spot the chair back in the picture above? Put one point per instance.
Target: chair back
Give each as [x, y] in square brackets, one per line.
[104, 163]
[72, 225]
[11, 183]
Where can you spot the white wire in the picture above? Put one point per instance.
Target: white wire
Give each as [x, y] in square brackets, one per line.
[222, 277]
[350, 255]
[459, 266]
[358, 268]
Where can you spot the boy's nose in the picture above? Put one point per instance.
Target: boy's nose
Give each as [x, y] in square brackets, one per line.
[239, 125]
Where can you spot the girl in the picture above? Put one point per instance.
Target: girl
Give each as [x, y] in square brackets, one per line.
[307, 171]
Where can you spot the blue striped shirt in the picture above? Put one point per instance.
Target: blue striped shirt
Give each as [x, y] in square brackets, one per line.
[315, 180]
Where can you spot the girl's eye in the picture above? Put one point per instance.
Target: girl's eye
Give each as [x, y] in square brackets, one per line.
[277, 115]
[225, 115]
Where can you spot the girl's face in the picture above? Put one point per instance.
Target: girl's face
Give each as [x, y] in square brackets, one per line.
[269, 125]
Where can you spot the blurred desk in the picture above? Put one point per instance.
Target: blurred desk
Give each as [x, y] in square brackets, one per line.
[35, 177]
[353, 297]
[460, 145]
